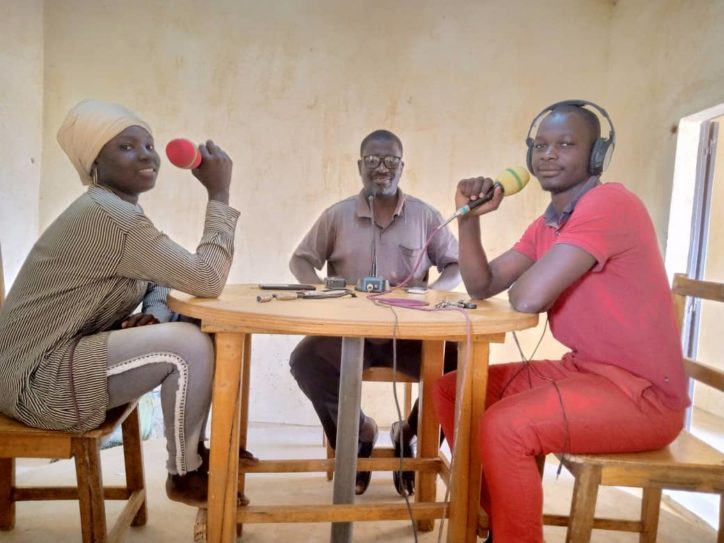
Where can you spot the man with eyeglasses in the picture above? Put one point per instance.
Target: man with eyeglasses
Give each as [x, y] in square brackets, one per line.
[349, 237]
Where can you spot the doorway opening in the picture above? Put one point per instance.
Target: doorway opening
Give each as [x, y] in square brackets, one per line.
[695, 245]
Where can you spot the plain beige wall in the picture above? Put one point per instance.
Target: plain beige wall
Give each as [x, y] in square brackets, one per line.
[21, 117]
[289, 88]
[664, 64]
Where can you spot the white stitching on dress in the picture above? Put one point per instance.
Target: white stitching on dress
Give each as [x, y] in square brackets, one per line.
[180, 401]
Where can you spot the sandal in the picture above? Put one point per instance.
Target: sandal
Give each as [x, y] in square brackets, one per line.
[364, 450]
[192, 489]
[246, 458]
[401, 436]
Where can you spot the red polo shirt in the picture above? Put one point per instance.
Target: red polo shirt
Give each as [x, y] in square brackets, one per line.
[620, 313]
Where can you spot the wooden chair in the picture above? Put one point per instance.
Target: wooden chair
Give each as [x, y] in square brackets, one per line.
[20, 441]
[380, 375]
[686, 464]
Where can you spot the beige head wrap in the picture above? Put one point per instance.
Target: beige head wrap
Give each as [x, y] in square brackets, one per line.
[88, 127]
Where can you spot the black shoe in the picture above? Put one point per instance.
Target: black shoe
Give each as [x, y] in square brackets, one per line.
[402, 435]
[364, 450]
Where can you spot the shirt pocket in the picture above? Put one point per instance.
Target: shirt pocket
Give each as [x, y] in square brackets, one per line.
[408, 257]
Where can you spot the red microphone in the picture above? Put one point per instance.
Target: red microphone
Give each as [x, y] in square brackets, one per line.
[183, 153]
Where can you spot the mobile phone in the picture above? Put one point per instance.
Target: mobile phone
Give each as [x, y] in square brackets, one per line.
[416, 290]
[286, 286]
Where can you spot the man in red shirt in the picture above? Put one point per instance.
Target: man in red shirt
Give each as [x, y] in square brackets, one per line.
[592, 262]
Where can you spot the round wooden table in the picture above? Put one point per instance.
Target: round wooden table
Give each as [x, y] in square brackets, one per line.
[236, 315]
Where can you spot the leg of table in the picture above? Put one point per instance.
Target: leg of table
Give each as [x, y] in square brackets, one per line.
[345, 466]
[244, 410]
[428, 433]
[466, 471]
[224, 463]
[481, 353]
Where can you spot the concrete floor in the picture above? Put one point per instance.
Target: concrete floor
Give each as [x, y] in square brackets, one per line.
[58, 522]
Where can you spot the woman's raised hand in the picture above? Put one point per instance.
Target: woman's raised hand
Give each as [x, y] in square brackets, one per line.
[214, 172]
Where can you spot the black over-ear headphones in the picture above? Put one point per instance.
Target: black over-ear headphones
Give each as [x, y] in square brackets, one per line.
[602, 149]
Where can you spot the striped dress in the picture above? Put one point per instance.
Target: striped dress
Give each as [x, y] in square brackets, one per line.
[91, 268]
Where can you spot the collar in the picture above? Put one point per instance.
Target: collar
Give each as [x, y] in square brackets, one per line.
[104, 192]
[554, 219]
[362, 206]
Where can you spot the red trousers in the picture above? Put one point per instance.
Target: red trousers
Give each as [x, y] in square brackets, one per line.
[552, 406]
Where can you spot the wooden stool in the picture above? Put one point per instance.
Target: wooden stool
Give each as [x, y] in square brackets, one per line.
[20, 441]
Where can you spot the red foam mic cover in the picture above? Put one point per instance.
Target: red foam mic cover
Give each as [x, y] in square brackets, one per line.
[183, 153]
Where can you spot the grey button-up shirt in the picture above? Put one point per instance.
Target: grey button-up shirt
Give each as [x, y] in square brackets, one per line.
[345, 239]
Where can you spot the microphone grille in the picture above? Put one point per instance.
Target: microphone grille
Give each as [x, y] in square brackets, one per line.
[513, 179]
[183, 153]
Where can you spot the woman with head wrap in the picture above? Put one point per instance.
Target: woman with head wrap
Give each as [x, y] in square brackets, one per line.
[70, 347]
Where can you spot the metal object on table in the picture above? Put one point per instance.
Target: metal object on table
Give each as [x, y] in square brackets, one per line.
[333, 283]
[462, 304]
[263, 298]
[305, 294]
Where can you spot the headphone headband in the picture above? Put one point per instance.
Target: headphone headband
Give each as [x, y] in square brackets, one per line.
[602, 149]
[576, 103]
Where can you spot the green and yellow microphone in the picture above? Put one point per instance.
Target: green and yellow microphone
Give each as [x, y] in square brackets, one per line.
[510, 180]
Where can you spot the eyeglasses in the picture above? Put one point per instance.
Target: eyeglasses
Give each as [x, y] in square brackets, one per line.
[391, 162]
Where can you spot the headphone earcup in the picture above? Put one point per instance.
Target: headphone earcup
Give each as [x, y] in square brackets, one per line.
[599, 156]
[529, 154]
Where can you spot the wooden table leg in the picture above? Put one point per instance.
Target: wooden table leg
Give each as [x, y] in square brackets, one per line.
[224, 463]
[345, 465]
[428, 429]
[481, 353]
[244, 411]
[466, 470]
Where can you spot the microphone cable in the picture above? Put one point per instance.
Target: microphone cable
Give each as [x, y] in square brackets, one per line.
[395, 327]
[407, 302]
[531, 368]
[421, 305]
[458, 411]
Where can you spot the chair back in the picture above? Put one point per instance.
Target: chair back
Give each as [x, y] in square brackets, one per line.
[682, 288]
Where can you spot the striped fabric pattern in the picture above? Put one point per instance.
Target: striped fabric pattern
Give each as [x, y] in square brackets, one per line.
[91, 268]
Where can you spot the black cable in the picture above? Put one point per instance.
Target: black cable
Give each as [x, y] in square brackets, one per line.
[531, 368]
[395, 327]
